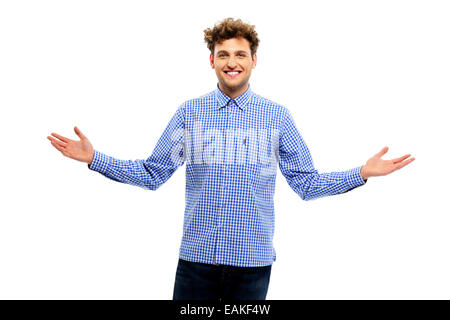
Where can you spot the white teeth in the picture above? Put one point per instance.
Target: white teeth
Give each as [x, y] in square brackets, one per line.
[232, 73]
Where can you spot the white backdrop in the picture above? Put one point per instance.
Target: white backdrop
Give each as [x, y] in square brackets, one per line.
[356, 75]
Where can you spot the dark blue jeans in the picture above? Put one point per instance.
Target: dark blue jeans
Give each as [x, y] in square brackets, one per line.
[200, 281]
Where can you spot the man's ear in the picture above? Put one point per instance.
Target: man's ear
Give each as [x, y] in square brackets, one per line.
[211, 60]
[254, 60]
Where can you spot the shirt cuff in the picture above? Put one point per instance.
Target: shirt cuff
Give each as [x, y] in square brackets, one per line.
[354, 178]
[100, 162]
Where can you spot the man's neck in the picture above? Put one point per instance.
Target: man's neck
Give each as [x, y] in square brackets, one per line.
[233, 94]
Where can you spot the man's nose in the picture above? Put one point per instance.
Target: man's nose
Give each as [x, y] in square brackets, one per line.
[231, 62]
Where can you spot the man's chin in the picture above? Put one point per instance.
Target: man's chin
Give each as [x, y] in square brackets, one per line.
[231, 85]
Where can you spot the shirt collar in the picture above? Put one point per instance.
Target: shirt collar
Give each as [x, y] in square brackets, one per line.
[241, 101]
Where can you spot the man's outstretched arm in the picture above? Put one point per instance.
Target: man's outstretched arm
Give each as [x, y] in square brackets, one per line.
[149, 174]
[296, 165]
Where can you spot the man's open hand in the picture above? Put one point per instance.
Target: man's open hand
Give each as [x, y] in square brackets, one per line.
[376, 166]
[78, 150]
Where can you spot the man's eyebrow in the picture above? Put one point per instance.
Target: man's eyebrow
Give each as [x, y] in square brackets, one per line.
[238, 51]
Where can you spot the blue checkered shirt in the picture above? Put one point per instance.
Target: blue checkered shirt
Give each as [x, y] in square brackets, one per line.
[232, 148]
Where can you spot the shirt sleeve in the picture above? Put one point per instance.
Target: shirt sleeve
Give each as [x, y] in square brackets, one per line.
[151, 173]
[297, 166]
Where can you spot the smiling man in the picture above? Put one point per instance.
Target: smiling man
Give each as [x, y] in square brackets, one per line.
[233, 59]
[232, 141]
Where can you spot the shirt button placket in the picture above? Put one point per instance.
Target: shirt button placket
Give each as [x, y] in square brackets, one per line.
[223, 184]
[225, 164]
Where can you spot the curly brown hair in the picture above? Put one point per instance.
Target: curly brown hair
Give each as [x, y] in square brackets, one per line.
[229, 28]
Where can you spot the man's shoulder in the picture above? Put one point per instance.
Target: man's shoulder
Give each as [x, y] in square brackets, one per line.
[264, 102]
[206, 98]
[257, 98]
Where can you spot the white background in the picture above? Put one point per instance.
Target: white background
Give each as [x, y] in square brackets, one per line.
[356, 75]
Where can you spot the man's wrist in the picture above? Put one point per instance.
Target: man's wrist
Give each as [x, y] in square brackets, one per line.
[363, 173]
[91, 158]
[90, 161]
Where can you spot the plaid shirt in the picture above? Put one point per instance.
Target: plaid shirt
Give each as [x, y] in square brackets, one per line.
[232, 148]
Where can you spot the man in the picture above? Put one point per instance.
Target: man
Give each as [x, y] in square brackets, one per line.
[232, 140]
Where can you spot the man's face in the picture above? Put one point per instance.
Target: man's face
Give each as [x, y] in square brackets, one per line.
[233, 63]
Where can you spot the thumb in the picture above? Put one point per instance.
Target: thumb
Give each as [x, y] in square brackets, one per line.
[382, 152]
[79, 133]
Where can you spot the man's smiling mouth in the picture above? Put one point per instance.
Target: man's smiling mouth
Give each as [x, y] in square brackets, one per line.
[233, 74]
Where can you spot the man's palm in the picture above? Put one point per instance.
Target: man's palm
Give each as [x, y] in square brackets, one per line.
[81, 150]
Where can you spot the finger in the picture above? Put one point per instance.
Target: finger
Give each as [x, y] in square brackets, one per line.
[60, 137]
[401, 158]
[59, 143]
[382, 152]
[79, 133]
[58, 147]
[404, 163]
